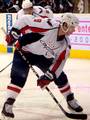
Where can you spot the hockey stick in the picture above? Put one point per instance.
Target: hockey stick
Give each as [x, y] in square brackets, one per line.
[69, 115]
[3, 30]
[10, 62]
[5, 67]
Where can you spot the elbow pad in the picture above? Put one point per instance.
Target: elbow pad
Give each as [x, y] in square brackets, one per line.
[15, 33]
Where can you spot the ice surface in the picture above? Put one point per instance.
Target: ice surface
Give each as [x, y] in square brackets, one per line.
[35, 104]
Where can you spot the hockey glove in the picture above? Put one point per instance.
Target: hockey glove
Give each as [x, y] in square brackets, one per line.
[13, 36]
[45, 79]
[9, 39]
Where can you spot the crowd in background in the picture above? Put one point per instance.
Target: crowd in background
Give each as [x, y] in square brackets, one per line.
[57, 6]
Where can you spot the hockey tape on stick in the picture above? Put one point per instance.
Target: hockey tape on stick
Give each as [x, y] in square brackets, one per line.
[3, 30]
[10, 62]
[69, 115]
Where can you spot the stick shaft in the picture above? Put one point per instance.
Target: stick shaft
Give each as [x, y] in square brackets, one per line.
[6, 67]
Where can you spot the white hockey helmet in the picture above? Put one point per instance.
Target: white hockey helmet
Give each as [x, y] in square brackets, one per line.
[70, 19]
[26, 4]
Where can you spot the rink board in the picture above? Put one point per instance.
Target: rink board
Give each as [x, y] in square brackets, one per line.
[73, 53]
[6, 49]
[80, 54]
[80, 40]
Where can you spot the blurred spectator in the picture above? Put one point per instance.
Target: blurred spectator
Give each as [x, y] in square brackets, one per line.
[10, 6]
[35, 2]
[57, 6]
[88, 7]
[66, 6]
[5, 4]
[76, 2]
[1, 3]
[16, 6]
[45, 3]
[81, 6]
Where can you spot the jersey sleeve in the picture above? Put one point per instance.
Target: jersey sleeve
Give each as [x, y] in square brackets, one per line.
[34, 22]
[29, 24]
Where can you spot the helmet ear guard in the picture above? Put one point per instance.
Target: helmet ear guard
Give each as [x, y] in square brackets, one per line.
[65, 27]
[65, 24]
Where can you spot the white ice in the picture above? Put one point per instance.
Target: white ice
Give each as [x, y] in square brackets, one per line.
[35, 104]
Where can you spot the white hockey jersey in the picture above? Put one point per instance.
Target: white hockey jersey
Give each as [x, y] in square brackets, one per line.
[37, 11]
[46, 27]
[49, 45]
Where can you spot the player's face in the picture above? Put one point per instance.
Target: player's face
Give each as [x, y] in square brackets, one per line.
[70, 30]
[67, 29]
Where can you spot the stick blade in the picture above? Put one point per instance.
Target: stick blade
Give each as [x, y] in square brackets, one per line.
[76, 116]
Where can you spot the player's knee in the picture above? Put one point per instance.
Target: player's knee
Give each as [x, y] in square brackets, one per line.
[62, 80]
[18, 78]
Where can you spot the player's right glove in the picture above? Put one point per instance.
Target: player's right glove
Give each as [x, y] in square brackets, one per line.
[9, 39]
[45, 79]
[12, 36]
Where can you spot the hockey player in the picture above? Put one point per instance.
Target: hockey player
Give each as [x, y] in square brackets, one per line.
[45, 43]
[28, 8]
